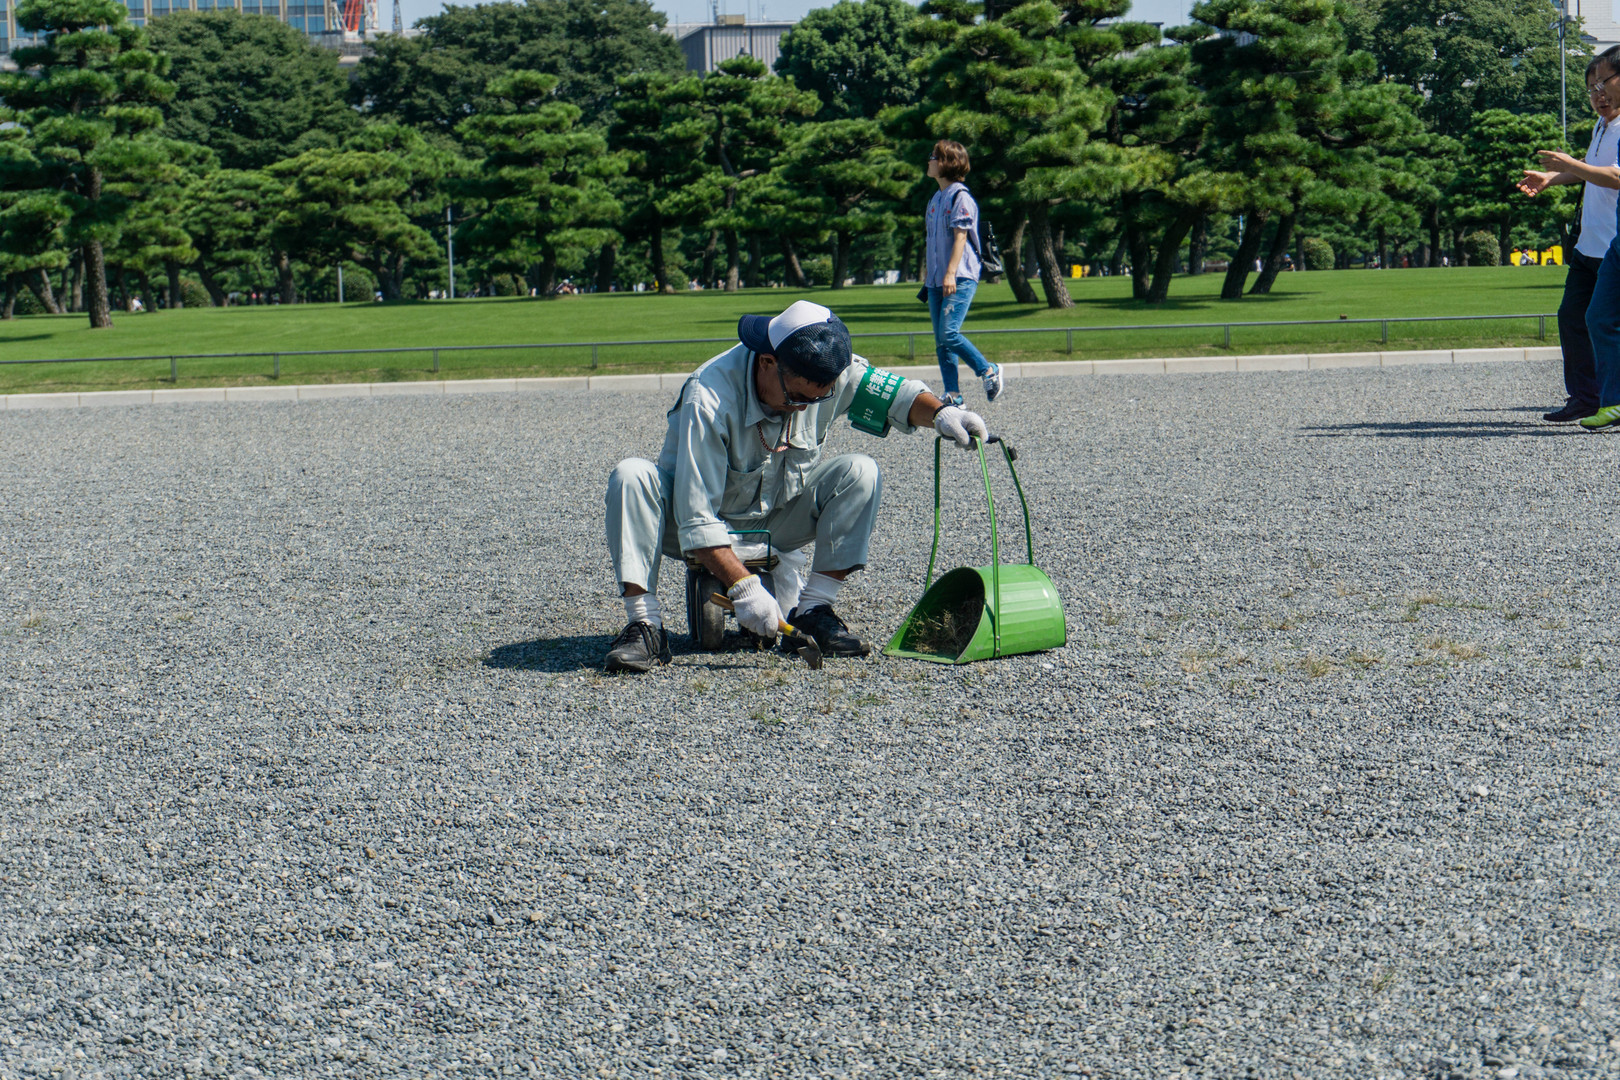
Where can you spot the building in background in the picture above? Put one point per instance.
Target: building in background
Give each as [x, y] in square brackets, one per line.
[706, 44]
[343, 25]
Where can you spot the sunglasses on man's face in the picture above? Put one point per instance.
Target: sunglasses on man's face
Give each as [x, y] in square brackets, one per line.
[794, 399]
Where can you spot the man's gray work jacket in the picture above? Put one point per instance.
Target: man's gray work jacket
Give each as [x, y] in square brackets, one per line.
[718, 448]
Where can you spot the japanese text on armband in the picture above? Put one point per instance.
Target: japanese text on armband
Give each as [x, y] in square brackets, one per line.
[869, 412]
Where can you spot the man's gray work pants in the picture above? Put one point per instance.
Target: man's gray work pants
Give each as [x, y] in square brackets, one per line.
[837, 509]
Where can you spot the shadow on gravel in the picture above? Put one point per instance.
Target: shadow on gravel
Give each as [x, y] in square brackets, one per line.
[1435, 429]
[576, 652]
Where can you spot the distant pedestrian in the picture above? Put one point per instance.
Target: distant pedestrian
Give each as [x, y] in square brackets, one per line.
[1589, 316]
[952, 260]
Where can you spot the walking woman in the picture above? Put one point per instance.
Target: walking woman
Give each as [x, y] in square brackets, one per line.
[1598, 206]
[952, 261]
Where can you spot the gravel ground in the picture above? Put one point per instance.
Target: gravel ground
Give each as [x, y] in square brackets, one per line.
[308, 767]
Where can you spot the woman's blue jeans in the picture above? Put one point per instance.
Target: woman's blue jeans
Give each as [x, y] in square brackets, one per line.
[947, 313]
[1603, 324]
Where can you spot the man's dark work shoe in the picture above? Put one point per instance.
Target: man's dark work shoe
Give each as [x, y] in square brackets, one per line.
[1571, 412]
[638, 647]
[829, 632]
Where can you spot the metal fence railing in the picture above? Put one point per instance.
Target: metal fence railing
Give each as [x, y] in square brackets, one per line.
[276, 357]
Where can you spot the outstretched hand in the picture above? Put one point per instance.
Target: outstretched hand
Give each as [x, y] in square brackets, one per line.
[1534, 183]
[1556, 160]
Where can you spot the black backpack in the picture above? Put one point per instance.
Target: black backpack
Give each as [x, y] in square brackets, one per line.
[984, 243]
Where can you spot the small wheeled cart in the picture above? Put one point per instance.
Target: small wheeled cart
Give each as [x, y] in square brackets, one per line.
[705, 619]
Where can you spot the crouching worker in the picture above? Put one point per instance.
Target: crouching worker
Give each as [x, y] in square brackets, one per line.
[743, 451]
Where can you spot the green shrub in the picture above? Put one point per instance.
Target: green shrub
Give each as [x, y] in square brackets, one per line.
[1480, 249]
[193, 295]
[818, 270]
[27, 303]
[359, 286]
[676, 278]
[508, 285]
[1318, 253]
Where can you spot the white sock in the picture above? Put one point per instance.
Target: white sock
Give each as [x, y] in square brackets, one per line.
[819, 589]
[644, 608]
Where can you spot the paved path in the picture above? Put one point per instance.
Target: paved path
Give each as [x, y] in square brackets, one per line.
[308, 768]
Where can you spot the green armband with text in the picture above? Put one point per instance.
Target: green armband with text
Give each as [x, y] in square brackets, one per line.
[869, 412]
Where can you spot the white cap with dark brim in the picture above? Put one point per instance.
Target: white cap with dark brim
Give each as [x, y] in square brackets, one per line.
[807, 339]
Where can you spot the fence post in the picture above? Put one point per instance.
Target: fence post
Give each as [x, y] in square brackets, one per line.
[435, 361]
[1228, 335]
[1070, 336]
[174, 367]
[1383, 326]
[1542, 333]
[277, 370]
[593, 356]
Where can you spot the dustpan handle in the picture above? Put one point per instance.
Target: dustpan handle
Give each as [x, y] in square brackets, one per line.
[995, 538]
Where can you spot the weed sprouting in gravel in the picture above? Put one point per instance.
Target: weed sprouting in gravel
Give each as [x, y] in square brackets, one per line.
[1458, 650]
[1317, 666]
[1363, 659]
[33, 621]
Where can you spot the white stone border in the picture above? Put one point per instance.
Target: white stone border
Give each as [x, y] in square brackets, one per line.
[672, 381]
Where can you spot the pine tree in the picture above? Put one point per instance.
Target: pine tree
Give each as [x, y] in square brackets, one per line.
[543, 178]
[84, 96]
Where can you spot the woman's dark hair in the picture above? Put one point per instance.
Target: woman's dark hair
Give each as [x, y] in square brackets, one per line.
[1608, 58]
[953, 159]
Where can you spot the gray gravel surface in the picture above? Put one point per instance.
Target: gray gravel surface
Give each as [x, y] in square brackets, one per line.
[307, 766]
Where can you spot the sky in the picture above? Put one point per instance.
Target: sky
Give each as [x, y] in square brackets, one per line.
[1170, 12]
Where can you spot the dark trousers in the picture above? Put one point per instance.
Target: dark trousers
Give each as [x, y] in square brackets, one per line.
[1580, 373]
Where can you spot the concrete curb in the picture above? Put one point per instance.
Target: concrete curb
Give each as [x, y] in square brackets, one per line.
[671, 381]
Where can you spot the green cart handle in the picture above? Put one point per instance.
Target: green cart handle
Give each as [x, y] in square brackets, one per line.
[990, 502]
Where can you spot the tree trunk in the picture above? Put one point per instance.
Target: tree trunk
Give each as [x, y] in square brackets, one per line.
[733, 261]
[1141, 249]
[1237, 274]
[709, 249]
[604, 266]
[95, 266]
[1169, 251]
[655, 247]
[1459, 254]
[76, 291]
[1116, 261]
[840, 258]
[8, 308]
[215, 293]
[1013, 260]
[1383, 247]
[1198, 246]
[39, 283]
[63, 289]
[1433, 216]
[1057, 295]
[175, 299]
[907, 249]
[145, 283]
[285, 285]
[547, 271]
[756, 262]
[96, 301]
[1274, 257]
[1504, 244]
[122, 278]
[868, 272]
[1299, 252]
[791, 268]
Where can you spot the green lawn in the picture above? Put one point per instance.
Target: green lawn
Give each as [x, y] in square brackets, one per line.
[639, 317]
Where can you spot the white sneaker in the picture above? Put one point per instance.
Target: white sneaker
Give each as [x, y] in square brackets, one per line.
[992, 382]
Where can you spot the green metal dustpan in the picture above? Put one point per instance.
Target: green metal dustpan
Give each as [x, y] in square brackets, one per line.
[981, 612]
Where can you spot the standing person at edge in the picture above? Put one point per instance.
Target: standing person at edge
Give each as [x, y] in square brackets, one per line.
[952, 259]
[743, 451]
[1598, 226]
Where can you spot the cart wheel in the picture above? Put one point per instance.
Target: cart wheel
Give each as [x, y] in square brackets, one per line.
[709, 627]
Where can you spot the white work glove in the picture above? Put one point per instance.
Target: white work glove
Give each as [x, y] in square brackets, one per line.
[958, 424]
[756, 608]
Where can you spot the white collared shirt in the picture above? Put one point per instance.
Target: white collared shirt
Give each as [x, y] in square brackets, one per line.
[1600, 204]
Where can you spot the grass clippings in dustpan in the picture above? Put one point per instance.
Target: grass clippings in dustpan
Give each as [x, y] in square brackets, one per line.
[948, 631]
